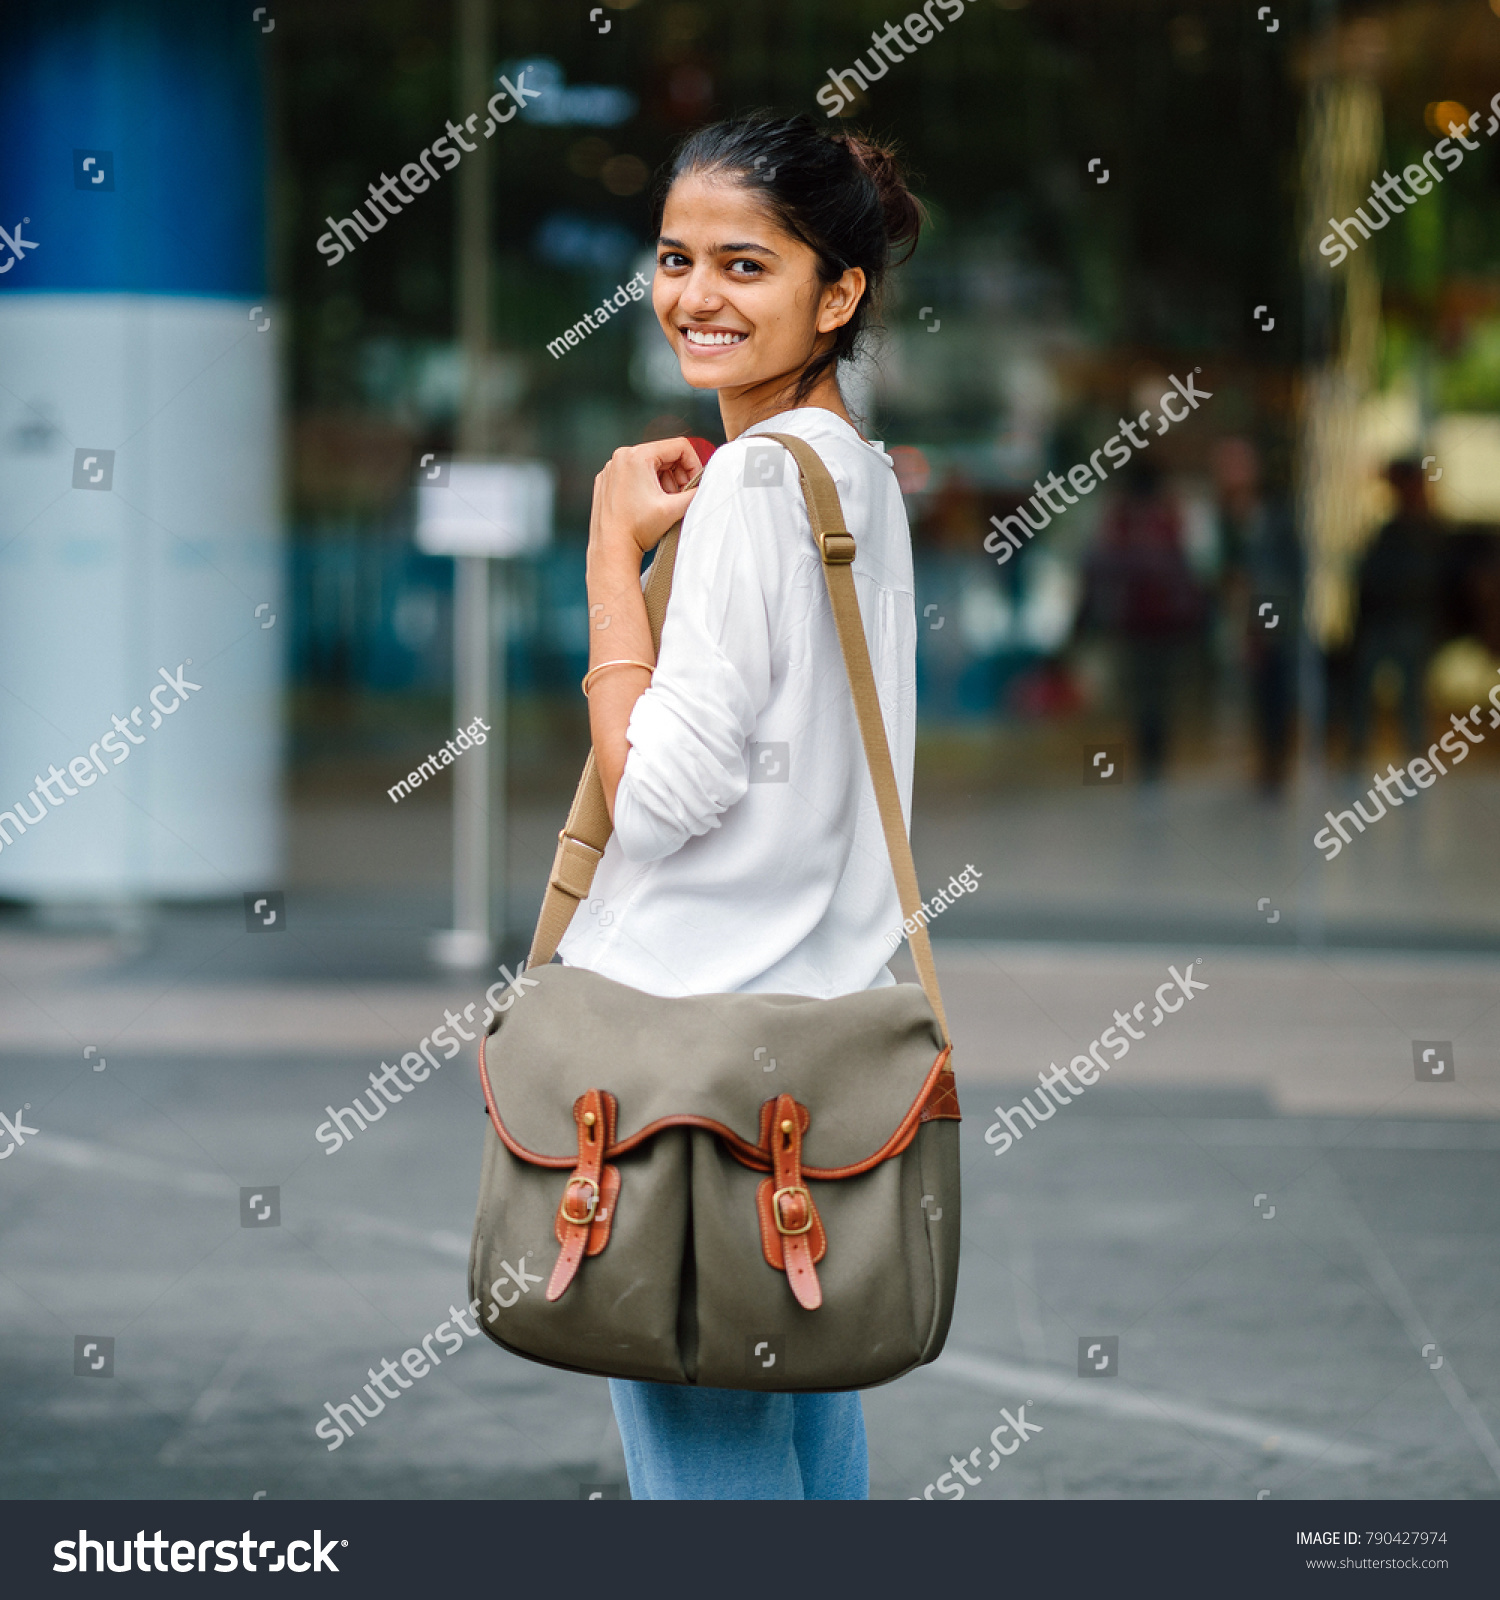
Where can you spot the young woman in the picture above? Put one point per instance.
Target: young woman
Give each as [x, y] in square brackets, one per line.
[747, 852]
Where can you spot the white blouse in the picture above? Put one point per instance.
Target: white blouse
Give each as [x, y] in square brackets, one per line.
[747, 852]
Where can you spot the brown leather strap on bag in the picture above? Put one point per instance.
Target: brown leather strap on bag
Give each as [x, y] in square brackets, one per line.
[586, 1211]
[791, 1231]
[587, 830]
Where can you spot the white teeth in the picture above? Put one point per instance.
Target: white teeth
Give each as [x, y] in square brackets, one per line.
[693, 336]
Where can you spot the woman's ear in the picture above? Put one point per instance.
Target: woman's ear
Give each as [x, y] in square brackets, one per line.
[841, 299]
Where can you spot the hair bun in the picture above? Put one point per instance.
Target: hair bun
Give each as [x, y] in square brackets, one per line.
[902, 211]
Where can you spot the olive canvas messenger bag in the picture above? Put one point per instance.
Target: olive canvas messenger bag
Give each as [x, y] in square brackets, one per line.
[695, 1218]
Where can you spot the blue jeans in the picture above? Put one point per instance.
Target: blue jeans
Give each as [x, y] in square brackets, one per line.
[684, 1443]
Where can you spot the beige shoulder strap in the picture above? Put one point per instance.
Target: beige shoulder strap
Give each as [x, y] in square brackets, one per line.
[586, 832]
[584, 835]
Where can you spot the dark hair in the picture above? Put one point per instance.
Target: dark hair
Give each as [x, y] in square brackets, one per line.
[839, 193]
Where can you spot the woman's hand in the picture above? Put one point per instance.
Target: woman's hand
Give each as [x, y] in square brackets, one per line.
[639, 495]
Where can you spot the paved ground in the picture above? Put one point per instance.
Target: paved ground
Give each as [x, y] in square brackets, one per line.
[1116, 863]
[1296, 1353]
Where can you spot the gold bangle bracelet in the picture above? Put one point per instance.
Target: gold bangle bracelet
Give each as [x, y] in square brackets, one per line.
[604, 666]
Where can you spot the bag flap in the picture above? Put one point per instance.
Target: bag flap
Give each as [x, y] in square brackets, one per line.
[857, 1062]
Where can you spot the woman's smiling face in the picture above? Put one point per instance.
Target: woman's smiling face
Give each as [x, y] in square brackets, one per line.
[738, 297]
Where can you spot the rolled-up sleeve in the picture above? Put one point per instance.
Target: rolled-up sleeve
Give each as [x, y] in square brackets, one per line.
[689, 732]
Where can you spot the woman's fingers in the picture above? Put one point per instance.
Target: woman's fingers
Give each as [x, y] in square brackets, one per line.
[672, 462]
[677, 504]
[651, 470]
[595, 503]
[642, 491]
[674, 453]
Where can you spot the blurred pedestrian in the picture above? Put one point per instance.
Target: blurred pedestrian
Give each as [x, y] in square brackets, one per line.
[1398, 593]
[1263, 599]
[1140, 589]
[966, 603]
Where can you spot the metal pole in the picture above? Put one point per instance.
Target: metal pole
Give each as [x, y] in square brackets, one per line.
[469, 944]
[1318, 334]
[472, 32]
[499, 820]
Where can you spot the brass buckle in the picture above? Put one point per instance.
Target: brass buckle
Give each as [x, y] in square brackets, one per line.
[588, 1215]
[776, 1210]
[837, 546]
[562, 858]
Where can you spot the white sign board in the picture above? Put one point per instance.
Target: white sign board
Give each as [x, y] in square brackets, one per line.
[485, 508]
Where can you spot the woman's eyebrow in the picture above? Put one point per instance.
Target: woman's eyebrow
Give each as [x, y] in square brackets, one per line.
[744, 248]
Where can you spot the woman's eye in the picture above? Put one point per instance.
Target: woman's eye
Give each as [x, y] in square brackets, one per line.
[752, 268]
[672, 258]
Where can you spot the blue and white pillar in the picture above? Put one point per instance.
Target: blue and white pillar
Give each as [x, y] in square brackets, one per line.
[139, 473]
